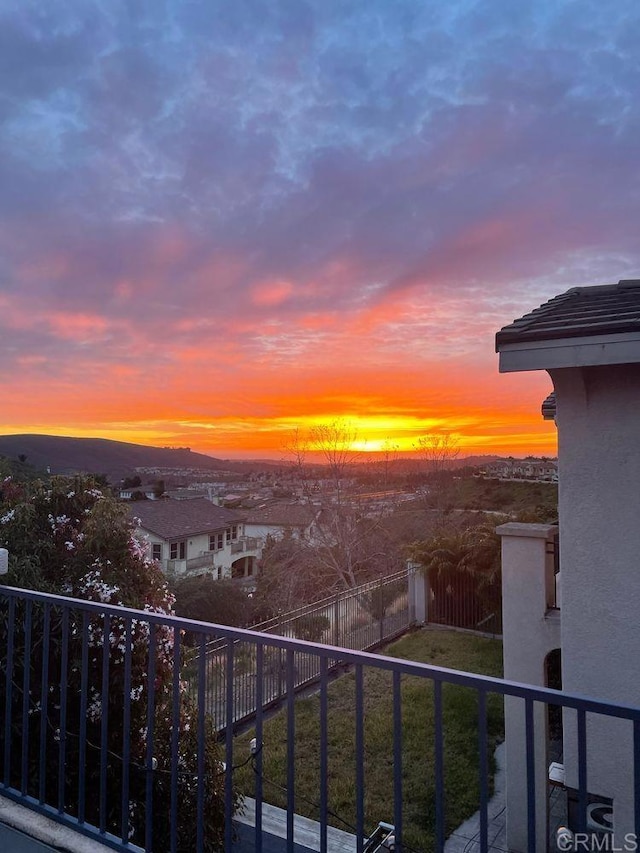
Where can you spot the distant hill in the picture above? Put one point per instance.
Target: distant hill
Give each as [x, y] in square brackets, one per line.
[116, 459]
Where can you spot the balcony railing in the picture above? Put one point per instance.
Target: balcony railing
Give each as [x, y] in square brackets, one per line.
[245, 543]
[93, 730]
[204, 561]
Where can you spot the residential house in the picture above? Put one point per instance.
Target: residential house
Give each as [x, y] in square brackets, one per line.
[128, 493]
[588, 340]
[530, 468]
[190, 537]
[280, 518]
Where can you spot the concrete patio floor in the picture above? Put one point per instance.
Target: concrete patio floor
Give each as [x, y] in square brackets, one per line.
[466, 838]
[14, 841]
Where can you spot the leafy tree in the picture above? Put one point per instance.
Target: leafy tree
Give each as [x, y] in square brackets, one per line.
[67, 537]
[463, 568]
[19, 470]
[222, 602]
[131, 482]
[381, 598]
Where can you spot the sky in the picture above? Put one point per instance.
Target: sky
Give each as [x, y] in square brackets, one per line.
[222, 220]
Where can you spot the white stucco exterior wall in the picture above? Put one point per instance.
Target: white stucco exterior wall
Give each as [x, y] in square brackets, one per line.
[262, 531]
[222, 558]
[529, 633]
[598, 417]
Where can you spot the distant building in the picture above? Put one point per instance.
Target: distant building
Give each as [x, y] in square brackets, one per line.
[278, 518]
[531, 468]
[128, 493]
[195, 537]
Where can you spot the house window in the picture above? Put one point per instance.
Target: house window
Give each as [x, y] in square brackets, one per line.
[212, 542]
[228, 535]
[157, 551]
[220, 541]
[178, 550]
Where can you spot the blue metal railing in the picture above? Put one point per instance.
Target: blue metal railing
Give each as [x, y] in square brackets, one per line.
[100, 733]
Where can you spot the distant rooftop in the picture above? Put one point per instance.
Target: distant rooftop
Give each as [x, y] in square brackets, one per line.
[584, 326]
[282, 514]
[171, 519]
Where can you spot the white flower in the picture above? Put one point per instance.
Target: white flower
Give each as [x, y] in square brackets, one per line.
[7, 517]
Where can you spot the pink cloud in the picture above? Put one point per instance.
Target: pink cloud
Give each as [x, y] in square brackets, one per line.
[77, 327]
[271, 293]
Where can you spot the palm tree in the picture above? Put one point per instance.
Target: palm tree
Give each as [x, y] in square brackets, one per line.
[463, 569]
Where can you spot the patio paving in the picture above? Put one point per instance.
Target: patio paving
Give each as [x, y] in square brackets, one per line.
[466, 839]
[14, 841]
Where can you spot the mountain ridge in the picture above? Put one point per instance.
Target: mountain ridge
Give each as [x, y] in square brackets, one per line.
[70, 455]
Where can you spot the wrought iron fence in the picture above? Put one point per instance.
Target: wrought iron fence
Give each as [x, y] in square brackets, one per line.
[98, 734]
[459, 599]
[362, 618]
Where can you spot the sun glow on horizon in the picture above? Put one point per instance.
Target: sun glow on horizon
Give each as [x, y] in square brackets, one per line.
[267, 438]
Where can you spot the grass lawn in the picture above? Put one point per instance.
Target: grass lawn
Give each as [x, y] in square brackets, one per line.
[439, 647]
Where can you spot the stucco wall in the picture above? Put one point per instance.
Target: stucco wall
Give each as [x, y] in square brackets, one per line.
[222, 559]
[274, 530]
[529, 633]
[598, 417]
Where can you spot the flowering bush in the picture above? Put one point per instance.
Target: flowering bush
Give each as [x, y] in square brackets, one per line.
[67, 537]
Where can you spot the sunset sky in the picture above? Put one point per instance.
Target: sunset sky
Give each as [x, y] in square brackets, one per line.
[224, 219]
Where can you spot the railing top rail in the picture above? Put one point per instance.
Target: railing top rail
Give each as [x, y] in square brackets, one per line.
[483, 683]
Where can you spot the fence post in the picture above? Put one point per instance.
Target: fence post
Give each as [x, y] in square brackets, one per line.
[382, 609]
[418, 593]
[336, 620]
[280, 658]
